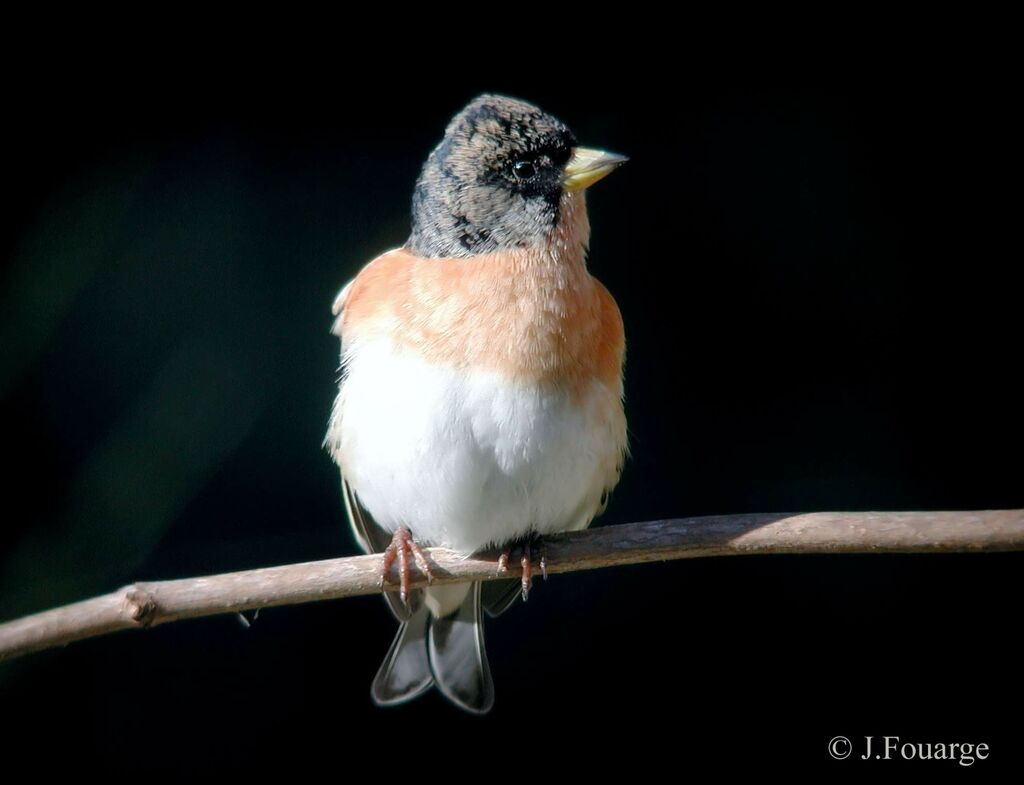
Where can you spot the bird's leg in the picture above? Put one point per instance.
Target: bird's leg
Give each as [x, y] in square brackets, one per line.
[525, 561]
[402, 546]
[527, 566]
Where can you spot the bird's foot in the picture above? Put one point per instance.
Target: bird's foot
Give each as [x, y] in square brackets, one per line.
[402, 547]
[526, 562]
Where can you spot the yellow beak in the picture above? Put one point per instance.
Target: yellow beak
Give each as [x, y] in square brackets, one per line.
[587, 166]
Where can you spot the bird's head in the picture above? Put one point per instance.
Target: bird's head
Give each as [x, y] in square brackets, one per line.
[498, 179]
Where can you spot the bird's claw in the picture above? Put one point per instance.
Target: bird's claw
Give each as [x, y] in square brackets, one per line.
[526, 562]
[401, 547]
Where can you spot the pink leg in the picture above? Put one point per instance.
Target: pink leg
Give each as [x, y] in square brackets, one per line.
[527, 565]
[402, 547]
[526, 562]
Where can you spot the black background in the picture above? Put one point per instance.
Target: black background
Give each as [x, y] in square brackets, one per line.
[816, 265]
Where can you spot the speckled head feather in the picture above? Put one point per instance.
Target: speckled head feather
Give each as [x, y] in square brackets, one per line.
[493, 183]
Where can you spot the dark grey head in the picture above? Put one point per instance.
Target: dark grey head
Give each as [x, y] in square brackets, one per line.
[494, 182]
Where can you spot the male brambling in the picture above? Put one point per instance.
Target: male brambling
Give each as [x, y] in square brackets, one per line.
[481, 400]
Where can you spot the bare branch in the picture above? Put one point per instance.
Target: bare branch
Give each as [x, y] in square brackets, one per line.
[148, 604]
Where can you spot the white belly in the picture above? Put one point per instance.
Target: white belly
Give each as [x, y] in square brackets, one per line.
[468, 460]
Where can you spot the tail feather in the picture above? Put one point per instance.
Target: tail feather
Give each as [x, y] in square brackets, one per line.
[405, 672]
[458, 659]
[447, 651]
[498, 596]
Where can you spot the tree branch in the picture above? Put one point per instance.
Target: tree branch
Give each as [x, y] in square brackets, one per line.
[149, 604]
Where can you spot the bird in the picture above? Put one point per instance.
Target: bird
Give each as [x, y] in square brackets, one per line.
[480, 402]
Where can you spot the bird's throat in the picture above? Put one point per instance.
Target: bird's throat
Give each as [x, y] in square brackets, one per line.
[533, 313]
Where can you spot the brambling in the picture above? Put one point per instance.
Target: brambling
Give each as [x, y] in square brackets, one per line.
[481, 398]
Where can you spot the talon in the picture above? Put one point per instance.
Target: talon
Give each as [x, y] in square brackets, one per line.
[389, 558]
[401, 546]
[543, 563]
[403, 566]
[527, 565]
[421, 560]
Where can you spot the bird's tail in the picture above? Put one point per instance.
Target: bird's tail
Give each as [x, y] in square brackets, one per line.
[405, 672]
[447, 651]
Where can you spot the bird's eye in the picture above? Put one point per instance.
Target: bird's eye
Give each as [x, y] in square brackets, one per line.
[524, 170]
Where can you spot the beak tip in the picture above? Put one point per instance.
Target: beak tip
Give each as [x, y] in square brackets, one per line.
[587, 166]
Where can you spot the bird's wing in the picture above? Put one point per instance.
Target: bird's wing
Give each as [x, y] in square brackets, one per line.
[364, 280]
[371, 537]
[339, 305]
[374, 539]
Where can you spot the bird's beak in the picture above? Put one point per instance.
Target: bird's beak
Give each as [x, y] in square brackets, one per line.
[587, 166]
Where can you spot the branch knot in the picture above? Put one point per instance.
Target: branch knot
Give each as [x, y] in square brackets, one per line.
[139, 606]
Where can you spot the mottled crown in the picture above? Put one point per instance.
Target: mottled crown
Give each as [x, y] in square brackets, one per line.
[494, 181]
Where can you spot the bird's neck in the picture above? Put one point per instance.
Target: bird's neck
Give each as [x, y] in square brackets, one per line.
[563, 253]
[533, 312]
[570, 239]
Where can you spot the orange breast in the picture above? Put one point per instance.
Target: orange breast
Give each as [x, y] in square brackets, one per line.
[535, 315]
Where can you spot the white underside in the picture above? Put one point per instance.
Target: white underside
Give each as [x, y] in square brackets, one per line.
[468, 460]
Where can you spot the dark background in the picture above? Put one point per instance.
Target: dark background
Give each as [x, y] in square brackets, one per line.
[817, 268]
